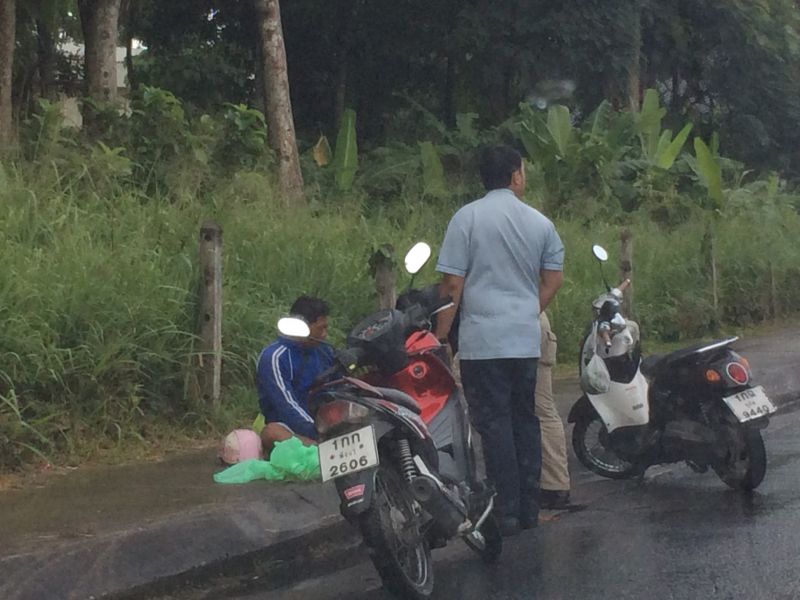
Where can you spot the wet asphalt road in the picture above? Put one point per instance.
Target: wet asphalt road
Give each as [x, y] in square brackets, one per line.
[675, 535]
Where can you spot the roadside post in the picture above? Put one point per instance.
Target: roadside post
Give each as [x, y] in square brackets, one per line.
[210, 351]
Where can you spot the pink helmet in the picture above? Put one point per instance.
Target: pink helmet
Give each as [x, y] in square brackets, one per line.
[239, 445]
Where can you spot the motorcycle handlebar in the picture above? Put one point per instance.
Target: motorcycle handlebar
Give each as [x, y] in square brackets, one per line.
[624, 285]
[344, 360]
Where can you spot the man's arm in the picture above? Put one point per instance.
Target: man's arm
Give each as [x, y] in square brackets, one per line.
[275, 378]
[549, 282]
[453, 286]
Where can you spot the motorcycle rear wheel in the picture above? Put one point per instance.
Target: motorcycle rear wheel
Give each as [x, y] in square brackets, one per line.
[745, 466]
[589, 441]
[398, 548]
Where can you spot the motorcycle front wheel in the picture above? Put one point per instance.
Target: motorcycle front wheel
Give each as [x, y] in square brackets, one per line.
[745, 464]
[590, 443]
[398, 548]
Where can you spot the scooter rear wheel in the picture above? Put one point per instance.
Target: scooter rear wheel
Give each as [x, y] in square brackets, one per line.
[590, 443]
[745, 466]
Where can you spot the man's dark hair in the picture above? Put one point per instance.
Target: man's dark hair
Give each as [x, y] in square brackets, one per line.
[310, 308]
[497, 164]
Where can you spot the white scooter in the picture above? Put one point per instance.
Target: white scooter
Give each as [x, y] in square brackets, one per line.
[695, 405]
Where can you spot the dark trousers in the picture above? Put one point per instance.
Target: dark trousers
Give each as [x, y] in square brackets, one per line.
[500, 395]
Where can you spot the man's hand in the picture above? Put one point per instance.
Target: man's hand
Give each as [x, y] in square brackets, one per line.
[453, 286]
[549, 282]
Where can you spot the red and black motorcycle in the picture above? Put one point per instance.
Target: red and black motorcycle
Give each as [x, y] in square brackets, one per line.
[397, 443]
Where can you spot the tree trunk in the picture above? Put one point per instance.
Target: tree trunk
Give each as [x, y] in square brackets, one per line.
[341, 91]
[448, 100]
[626, 270]
[128, 10]
[7, 41]
[280, 123]
[100, 25]
[634, 69]
[46, 50]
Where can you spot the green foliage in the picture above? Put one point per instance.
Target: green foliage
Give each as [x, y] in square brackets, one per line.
[432, 171]
[560, 128]
[98, 305]
[345, 159]
[243, 138]
[709, 171]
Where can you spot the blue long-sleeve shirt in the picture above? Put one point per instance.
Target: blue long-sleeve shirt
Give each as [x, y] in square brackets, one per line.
[284, 374]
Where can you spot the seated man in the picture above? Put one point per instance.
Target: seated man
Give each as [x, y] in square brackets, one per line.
[285, 372]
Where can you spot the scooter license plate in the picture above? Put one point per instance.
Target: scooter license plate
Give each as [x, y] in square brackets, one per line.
[750, 404]
[348, 453]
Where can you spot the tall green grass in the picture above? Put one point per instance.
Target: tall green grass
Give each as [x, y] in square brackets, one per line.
[98, 293]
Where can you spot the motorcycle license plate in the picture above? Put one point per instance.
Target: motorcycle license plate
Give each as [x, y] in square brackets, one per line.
[348, 453]
[750, 404]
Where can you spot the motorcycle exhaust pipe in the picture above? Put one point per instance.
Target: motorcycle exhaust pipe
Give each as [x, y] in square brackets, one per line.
[433, 500]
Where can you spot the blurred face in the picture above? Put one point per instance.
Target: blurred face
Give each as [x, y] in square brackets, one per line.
[319, 330]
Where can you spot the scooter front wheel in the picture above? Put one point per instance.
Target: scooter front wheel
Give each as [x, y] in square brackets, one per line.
[397, 546]
[590, 443]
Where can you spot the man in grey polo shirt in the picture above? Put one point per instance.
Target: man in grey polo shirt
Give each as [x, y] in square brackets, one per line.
[502, 261]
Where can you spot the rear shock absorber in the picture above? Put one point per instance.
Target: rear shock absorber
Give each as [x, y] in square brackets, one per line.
[406, 460]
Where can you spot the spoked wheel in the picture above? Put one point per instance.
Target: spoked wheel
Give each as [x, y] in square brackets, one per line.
[398, 547]
[487, 541]
[590, 442]
[745, 463]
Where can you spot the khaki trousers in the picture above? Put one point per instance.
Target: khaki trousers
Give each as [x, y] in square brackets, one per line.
[555, 473]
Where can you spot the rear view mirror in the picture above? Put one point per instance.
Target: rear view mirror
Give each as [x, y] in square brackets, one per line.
[293, 327]
[600, 253]
[417, 257]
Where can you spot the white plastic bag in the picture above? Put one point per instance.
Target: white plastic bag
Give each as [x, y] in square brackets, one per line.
[595, 378]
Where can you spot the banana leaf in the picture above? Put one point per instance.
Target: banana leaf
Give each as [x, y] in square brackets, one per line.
[709, 170]
[560, 127]
[432, 171]
[346, 157]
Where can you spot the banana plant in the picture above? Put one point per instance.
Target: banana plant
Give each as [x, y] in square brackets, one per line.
[709, 170]
[432, 171]
[345, 159]
[658, 147]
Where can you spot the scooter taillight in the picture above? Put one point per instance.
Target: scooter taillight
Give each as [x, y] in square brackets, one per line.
[738, 373]
[331, 414]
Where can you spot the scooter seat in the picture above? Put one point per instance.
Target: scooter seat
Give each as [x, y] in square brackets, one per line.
[652, 364]
[400, 398]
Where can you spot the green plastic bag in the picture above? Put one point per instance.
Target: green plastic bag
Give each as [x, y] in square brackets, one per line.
[290, 460]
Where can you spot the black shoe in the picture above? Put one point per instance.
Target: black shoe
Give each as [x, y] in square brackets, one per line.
[508, 526]
[558, 500]
[554, 499]
[529, 513]
[529, 522]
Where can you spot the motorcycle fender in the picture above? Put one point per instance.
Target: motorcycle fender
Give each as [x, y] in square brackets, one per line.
[582, 408]
[355, 493]
[357, 489]
[624, 404]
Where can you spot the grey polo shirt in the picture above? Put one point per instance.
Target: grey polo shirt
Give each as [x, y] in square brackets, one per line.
[499, 245]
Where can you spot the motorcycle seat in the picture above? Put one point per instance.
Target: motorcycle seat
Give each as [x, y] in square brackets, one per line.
[400, 398]
[653, 363]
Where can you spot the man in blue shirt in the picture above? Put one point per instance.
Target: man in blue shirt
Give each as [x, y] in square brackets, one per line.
[286, 371]
[502, 262]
